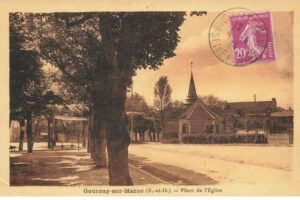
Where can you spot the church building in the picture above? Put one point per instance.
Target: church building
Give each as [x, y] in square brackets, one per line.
[198, 118]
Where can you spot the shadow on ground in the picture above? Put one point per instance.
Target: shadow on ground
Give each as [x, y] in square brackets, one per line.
[70, 167]
[46, 168]
[171, 174]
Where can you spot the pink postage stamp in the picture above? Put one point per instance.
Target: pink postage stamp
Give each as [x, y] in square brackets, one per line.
[252, 38]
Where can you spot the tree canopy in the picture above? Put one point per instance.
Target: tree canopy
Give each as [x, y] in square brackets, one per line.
[98, 53]
[137, 103]
[29, 89]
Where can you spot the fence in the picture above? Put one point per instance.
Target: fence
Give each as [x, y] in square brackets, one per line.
[224, 139]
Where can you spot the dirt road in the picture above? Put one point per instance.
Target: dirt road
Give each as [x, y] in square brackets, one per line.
[220, 164]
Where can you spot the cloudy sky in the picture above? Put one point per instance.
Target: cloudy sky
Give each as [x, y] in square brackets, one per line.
[266, 80]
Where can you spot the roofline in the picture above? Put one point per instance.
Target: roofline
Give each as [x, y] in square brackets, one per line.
[247, 102]
[203, 105]
[192, 110]
[207, 110]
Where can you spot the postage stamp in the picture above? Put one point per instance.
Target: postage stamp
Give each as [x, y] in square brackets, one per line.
[252, 38]
[239, 37]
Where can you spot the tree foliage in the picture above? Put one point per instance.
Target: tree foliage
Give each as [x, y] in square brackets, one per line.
[137, 103]
[100, 52]
[162, 93]
[175, 110]
[213, 101]
[30, 93]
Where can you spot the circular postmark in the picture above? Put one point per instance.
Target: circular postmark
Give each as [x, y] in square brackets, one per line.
[238, 37]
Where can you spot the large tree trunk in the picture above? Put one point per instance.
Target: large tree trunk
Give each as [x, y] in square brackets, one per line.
[118, 77]
[117, 147]
[117, 134]
[22, 130]
[29, 132]
[98, 150]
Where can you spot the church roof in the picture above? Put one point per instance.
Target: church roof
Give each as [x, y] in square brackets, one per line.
[192, 95]
[199, 111]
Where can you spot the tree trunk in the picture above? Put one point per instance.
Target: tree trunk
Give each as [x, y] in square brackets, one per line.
[118, 76]
[97, 106]
[29, 132]
[93, 136]
[162, 122]
[49, 132]
[117, 135]
[135, 136]
[22, 130]
[83, 133]
[54, 134]
[143, 136]
[37, 130]
[98, 139]
[90, 128]
[150, 135]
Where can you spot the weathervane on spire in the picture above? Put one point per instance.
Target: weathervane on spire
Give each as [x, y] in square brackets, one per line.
[191, 65]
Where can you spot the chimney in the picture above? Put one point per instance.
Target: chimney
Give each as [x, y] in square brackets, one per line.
[274, 104]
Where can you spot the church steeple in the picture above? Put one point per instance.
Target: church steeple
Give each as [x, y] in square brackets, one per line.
[192, 95]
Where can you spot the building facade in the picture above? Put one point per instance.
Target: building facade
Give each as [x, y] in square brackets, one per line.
[198, 118]
[249, 115]
[282, 121]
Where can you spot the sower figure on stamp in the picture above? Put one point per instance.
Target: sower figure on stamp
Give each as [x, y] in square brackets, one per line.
[249, 34]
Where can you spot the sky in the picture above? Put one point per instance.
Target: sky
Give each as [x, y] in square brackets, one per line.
[266, 80]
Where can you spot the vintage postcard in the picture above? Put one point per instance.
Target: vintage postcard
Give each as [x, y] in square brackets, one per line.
[149, 98]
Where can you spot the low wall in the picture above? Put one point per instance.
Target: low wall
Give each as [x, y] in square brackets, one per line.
[280, 139]
[224, 139]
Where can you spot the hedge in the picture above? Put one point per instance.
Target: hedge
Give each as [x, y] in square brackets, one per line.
[224, 139]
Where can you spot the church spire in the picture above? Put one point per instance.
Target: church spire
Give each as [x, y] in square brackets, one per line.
[192, 95]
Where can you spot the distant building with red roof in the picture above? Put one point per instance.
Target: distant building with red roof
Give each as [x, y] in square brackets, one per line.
[198, 118]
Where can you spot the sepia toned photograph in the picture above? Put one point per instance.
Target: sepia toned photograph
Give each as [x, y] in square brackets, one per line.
[153, 99]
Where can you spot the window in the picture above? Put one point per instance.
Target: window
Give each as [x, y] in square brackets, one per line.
[184, 129]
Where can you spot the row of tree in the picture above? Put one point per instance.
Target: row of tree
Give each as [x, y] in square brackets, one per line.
[97, 55]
